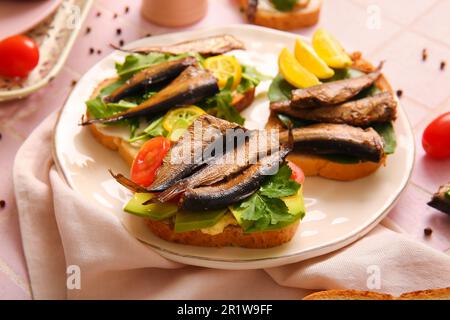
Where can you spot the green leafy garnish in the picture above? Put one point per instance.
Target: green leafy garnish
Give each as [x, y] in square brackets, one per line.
[250, 79]
[280, 185]
[447, 194]
[154, 129]
[284, 5]
[97, 108]
[280, 89]
[220, 105]
[387, 133]
[136, 62]
[264, 209]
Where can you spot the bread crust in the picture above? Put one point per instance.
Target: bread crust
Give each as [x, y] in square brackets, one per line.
[432, 294]
[313, 165]
[232, 235]
[303, 16]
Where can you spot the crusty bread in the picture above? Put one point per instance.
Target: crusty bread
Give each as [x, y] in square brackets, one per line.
[313, 165]
[232, 235]
[433, 294]
[126, 150]
[305, 14]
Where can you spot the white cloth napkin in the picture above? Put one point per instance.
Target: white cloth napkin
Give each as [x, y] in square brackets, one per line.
[60, 229]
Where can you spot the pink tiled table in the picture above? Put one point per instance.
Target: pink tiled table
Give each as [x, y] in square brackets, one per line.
[405, 28]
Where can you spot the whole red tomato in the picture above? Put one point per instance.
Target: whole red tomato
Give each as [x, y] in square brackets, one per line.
[436, 137]
[18, 56]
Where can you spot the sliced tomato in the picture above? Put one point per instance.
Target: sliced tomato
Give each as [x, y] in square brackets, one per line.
[148, 160]
[297, 173]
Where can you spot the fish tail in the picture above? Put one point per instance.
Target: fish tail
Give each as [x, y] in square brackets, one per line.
[127, 183]
[172, 192]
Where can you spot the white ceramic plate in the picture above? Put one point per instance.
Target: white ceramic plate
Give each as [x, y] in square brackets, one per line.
[338, 213]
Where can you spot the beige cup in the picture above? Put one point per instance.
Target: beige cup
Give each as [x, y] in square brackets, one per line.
[174, 13]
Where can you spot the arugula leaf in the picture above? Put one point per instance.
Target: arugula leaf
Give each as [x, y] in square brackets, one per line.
[280, 89]
[280, 185]
[154, 129]
[221, 107]
[264, 209]
[250, 79]
[284, 5]
[387, 133]
[137, 62]
[97, 108]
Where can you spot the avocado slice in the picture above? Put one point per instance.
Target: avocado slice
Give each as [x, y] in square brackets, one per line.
[189, 221]
[154, 211]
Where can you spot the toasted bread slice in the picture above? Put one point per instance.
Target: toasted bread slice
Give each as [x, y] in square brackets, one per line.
[313, 165]
[305, 14]
[127, 150]
[433, 294]
[232, 235]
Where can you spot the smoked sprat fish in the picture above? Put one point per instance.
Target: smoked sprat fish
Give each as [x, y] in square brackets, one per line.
[157, 74]
[366, 144]
[191, 86]
[381, 107]
[210, 46]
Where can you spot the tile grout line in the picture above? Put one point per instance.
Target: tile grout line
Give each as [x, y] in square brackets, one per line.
[14, 277]
[433, 114]
[404, 28]
[423, 189]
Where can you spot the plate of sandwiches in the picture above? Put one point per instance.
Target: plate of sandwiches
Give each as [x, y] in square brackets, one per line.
[237, 147]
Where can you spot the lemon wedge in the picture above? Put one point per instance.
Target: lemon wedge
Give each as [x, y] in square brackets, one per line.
[308, 58]
[330, 50]
[294, 72]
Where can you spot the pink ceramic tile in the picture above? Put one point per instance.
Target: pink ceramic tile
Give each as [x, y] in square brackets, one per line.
[402, 11]
[436, 23]
[103, 32]
[9, 290]
[350, 23]
[413, 215]
[39, 105]
[7, 109]
[416, 112]
[429, 173]
[421, 80]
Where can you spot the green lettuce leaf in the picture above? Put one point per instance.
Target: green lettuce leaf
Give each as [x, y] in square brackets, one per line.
[136, 62]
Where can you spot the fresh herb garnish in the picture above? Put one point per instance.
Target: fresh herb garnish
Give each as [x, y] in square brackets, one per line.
[250, 79]
[280, 89]
[264, 209]
[220, 105]
[387, 133]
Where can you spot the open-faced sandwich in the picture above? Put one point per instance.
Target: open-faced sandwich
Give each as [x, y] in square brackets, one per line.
[198, 176]
[282, 14]
[341, 108]
[139, 103]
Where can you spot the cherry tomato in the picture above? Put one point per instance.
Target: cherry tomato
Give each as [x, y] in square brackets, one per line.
[18, 56]
[297, 173]
[148, 160]
[436, 137]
